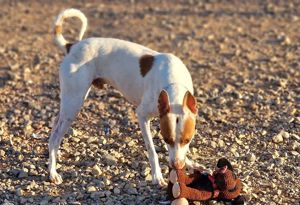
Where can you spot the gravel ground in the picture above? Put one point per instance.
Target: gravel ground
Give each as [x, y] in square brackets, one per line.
[244, 57]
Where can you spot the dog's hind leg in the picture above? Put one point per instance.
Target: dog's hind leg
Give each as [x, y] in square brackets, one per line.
[72, 97]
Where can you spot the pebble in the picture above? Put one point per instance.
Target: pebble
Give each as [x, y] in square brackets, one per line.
[117, 190]
[2, 153]
[221, 143]
[110, 160]
[213, 144]
[146, 171]
[98, 194]
[251, 157]
[19, 192]
[6, 202]
[96, 170]
[91, 189]
[132, 191]
[22, 174]
[278, 138]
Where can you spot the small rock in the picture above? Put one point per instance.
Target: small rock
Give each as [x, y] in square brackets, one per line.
[276, 154]
[6, 202]
[98, 194]
[221, 143]
[295, 153]
[148, 177]
[91, 189]
[296, 136]
[295, 145]
[91, 140]
[2, 153]
[132, 191]
[117, 190]
[251, 157]
[264, 132]
[19, 192]
[44, 201]
[146, 171]
[22, 174]
[213, 144]
[110, 160]
[96, 170]
[278, 138]
[285, 134]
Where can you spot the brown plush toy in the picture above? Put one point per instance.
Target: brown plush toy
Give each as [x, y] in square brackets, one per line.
[222, 185]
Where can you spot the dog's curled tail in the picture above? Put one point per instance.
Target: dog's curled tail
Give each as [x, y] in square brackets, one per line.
[59, 39]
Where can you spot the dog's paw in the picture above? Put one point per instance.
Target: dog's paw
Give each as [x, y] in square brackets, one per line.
[159, 180]
[176, 190]
[173, 176]
[191, 165]
[56, 178]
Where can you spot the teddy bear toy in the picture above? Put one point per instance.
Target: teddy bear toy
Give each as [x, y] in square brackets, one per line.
[222, 185]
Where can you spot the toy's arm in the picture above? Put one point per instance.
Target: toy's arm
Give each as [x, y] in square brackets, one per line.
[194, 194]
[232, 194]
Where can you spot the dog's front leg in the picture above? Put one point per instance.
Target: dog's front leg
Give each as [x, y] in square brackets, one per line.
[144, 122]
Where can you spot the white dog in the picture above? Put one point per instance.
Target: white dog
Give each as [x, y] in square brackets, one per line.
[156, 83]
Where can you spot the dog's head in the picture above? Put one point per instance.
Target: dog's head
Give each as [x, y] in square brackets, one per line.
[177, 124]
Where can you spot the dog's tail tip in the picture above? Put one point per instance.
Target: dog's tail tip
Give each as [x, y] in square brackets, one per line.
[59, 39]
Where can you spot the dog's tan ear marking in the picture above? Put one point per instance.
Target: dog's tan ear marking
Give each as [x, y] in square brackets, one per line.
[68, 47]
[146, 62]
[57, 30]
[190, 102]
[163, 103]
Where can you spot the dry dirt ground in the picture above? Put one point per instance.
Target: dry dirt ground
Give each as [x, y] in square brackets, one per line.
[244, 57]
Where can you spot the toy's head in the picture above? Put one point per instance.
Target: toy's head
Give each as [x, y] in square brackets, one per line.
[225, 179]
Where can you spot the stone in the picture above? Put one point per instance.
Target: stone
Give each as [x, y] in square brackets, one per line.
[278, 138]
[96, 170]
[110, 160]
[22, 174]
[91, 189]
[146, 171]
[221, 143]
[2, 153]
[213, 144]
[117, 190]
[251, 157]
[19, 192]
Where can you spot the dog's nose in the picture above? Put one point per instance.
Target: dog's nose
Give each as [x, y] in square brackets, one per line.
[178, 164]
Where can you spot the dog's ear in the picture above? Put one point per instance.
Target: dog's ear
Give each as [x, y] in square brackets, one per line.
[163, 103]
[189, 101]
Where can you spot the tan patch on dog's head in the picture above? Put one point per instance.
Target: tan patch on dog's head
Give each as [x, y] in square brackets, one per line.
[146, 62]
[58, 30]
[166, 130]
[188, 131]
